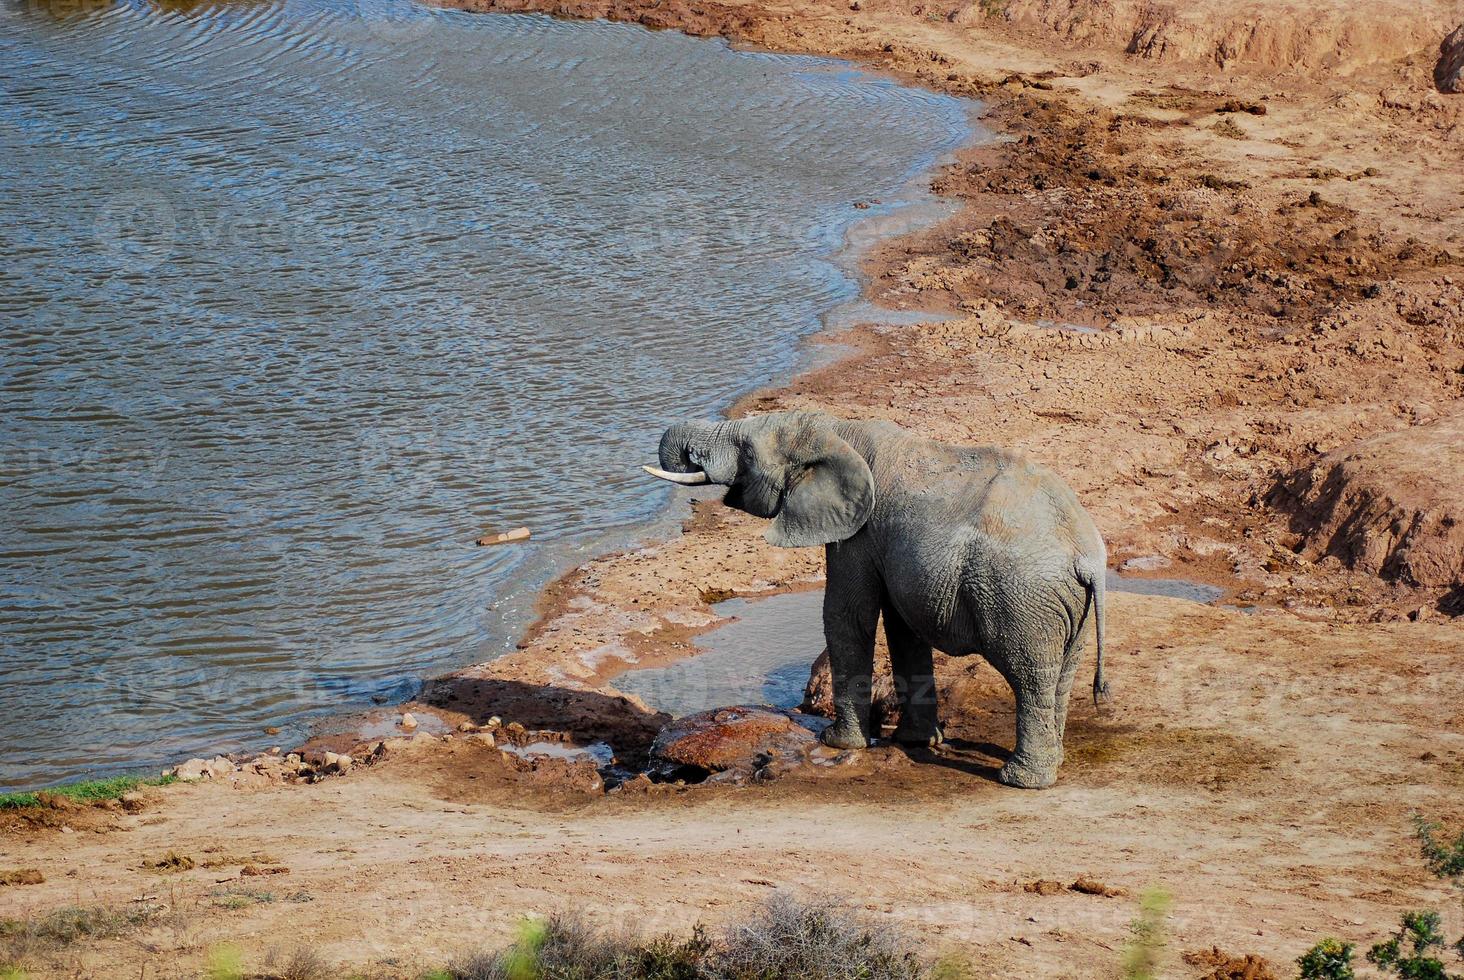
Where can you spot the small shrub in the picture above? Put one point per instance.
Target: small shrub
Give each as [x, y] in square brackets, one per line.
[302, 963]
[240, 899]
[1415, 951]
[20, 939]
[68, 925]
[1409, 953]
[817, 941]
[566, 947]
[785, 940]
[1330, 959]
[1445, 860]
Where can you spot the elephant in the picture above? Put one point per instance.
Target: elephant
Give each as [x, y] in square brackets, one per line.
[970, 550]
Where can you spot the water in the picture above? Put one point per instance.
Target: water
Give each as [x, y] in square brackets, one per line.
[300, 297]
[764, 654]
[760, 657]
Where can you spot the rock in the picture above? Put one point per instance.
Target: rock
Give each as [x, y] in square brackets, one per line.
[640, 783]
[131, 802]
[221, 766]
[1449, 72]
[334, 762]
[483, 738]
[1391, 504]
[494, 722]
[466, 726]
[818, 693]
[407, 721]
[192, 771]
[514, 728]
[743, 737]
[270, 767]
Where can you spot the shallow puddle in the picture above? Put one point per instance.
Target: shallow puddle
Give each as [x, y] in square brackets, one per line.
[761, 657]
[597, 752]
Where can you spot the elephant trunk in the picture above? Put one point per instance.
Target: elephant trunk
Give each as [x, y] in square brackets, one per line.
[680, 441]
[697, 452]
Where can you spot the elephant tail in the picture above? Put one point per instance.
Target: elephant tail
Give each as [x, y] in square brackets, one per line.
[1093, 582]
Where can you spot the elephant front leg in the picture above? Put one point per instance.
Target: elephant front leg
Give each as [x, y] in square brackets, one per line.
[851, 614]
[912, 664]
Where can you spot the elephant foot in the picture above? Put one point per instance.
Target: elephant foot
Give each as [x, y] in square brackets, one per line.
[1025, 775]
[927, 736]
[839, 738]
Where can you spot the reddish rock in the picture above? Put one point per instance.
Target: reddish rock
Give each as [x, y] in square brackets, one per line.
[723, 739]
[1392, 504]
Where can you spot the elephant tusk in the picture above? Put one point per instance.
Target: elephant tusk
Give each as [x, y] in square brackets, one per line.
[685, 479]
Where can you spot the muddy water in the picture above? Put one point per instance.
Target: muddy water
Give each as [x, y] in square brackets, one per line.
[301, 297]
[763, 655]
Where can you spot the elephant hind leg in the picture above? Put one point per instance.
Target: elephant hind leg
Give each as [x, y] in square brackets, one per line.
[912, 664]
[1035, 672]
[1072, 659]
[1033, 763]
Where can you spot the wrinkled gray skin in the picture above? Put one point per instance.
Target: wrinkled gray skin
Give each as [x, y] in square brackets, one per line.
[966, 549]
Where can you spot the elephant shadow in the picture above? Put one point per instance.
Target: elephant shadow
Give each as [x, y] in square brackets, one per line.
[978, 758]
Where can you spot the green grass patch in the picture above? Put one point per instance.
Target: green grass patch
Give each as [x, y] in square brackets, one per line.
[86, 791]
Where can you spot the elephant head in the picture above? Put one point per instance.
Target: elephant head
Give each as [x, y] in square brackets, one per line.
[793, 467]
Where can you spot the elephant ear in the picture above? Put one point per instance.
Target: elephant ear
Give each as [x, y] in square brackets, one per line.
[828, 495]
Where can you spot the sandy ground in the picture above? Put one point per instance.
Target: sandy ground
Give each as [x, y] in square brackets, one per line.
[1260, 292]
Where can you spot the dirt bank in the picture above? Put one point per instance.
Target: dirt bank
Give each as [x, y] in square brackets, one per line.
[1195, 268]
